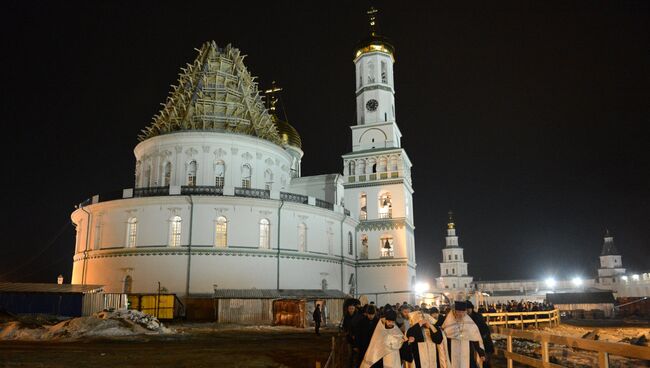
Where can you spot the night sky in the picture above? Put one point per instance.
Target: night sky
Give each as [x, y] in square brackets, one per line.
[529, 120]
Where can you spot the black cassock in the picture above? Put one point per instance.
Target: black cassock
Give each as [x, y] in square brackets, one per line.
[417, 332]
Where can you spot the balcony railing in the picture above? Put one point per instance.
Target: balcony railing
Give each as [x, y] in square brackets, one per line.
[201, 190]
[253, 193]
[292, 197]
[150, 191]
[324, 204]
[374, 176]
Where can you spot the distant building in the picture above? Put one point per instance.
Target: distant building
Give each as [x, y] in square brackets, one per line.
[611, 263]
[454, 280]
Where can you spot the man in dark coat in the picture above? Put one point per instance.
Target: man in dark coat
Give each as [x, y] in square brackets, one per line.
[362, 331]
[317, 319]
[484, 329]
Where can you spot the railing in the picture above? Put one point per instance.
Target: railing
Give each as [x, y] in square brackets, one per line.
[201, 190]
[374, 176]
[324, 204]
[604, 349]
[292, 197]
[521, 319]
[150, 191]
[253, 193]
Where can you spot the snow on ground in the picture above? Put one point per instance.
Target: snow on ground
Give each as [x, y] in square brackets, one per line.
[102, 324]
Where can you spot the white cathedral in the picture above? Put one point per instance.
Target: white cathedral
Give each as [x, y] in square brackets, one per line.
[219, 201]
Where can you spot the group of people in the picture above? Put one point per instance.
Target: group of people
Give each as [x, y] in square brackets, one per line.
[521, 306]
[401, 335]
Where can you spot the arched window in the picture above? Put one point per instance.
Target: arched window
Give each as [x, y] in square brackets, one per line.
[128, 285]
[167, 174]
[386, 243]
[384, 75]
[265, 234]
[351, 167]
[191, 174]
[372, 165]
[219, 174]
[381, 167]
[268, 179]
[449, 257]
[453, 271]
[385, 206]
[221, 232]
[246, 173]
[302, 238]
[175, 231]
[456, 257]
[371, 72]
[350, 245]
[361, 167]
[364, 247]
[131, 232]
[363, 206]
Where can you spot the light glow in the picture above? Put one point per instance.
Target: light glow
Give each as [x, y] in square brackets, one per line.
[421, 287]
[635, 277]
[577, 281]
[550, 282]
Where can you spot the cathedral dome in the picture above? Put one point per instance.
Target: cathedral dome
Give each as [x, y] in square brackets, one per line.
[288, 134]
[215, 93]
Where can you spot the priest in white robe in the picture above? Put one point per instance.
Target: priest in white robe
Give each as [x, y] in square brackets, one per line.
[465, 345]
[385, 345]
[427, 343]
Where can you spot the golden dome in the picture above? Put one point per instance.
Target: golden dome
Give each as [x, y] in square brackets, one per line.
[288, 133]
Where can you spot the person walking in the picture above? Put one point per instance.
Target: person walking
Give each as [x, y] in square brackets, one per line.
[317, 319]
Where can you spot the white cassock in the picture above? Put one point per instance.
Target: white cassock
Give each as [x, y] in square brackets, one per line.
[461, 332]
[384, 344]
[428, 350]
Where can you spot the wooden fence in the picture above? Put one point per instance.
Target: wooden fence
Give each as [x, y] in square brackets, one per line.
[604, 349]
[523, 319]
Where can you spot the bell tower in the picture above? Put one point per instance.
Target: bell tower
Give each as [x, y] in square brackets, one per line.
[377, 177]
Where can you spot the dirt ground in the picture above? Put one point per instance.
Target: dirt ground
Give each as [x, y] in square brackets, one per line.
[192, 347]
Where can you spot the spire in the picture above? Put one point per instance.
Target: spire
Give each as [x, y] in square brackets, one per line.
[288, 134]
[609, 248]
[374, 42]
[450, 223]
[272, 96]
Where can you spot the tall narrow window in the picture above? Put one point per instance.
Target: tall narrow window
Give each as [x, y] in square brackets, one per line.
[147, 177]
[384, 75]
[302, 238]
[138, 176]
[219, 174]
[386, 243]
[131, 232]
[128, 285]
[364, 247]
[175, 231]
[265, 234]
[167, 174]
[350, 245]
[191, 174]
[363, 207]
[268, 179]
[393, 163]
[371, 72]
[351, 167]
[246, 173]
[385, 206]
[221, 232]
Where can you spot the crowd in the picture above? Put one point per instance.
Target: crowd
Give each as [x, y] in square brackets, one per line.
[521, 306]
[402, 335]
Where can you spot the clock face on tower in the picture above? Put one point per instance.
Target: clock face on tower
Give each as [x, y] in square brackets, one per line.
[372, 105]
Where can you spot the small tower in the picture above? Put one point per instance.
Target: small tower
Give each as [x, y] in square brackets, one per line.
[453, 268]
[611, 263]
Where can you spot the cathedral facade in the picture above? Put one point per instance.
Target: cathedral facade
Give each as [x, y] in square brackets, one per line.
[219, 201]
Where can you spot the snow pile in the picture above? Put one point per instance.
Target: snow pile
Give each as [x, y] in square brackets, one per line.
[102, 324]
